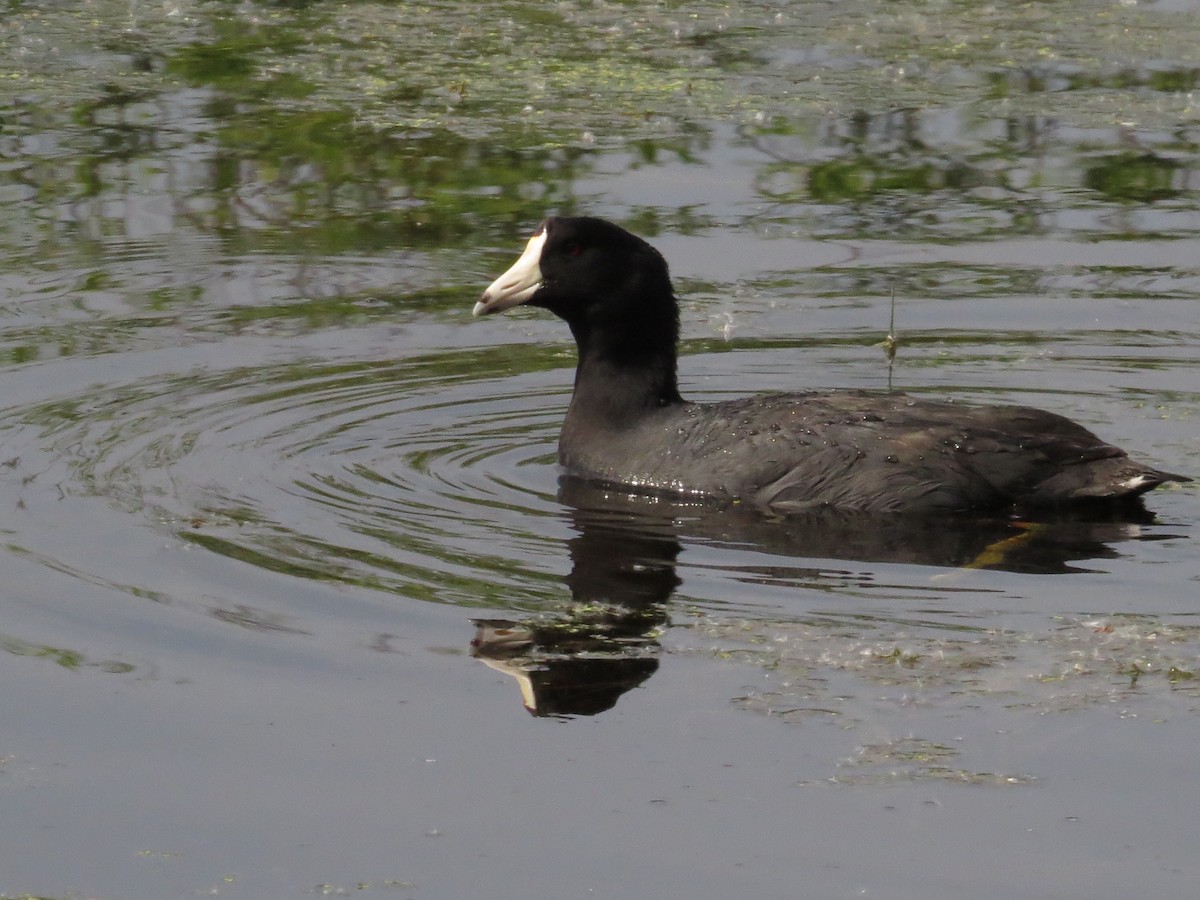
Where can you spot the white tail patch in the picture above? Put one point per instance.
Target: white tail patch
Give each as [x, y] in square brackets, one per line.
[1137, 482]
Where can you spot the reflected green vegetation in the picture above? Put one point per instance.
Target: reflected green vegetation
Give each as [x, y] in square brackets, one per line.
[1134, 178]
[833, 182]
[362, 127]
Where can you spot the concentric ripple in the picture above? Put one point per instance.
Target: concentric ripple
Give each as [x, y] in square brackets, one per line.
[409, 476]
[430, 477]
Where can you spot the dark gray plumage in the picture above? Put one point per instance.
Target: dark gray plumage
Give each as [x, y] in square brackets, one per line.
[628, 425]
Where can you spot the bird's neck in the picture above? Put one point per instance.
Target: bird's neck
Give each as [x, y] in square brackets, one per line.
[621, 393]
[619, 382]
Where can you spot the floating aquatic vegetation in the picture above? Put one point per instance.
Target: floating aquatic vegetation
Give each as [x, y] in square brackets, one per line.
[845, 675]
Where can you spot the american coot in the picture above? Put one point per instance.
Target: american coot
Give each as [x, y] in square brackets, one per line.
[854, 450]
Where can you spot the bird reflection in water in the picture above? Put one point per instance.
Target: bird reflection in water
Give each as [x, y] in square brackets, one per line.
[623, 574]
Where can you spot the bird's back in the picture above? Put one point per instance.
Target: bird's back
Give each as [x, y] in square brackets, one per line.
[860, 450]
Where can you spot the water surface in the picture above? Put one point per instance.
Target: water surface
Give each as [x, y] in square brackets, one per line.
[286, 555]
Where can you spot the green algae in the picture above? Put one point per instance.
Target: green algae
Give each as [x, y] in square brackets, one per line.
[591, 74]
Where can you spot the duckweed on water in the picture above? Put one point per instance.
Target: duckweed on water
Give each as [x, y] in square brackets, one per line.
[67, 658]
[334, 128]
[845, 674]
[893, 681]
[524, 71]
[910, 760]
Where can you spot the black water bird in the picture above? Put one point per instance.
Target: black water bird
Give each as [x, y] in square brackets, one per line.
[877, 452]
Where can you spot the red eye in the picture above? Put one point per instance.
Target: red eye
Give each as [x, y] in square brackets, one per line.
[574, 248]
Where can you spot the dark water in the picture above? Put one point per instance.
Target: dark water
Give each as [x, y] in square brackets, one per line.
[285, 552]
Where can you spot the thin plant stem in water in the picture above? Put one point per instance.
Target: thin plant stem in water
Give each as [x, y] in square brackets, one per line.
[890, 343]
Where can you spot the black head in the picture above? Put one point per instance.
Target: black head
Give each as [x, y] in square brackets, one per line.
[609, 285]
